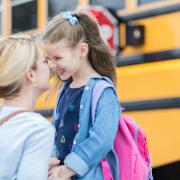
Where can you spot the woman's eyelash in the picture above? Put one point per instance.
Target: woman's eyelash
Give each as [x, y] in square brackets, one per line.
[47, 60]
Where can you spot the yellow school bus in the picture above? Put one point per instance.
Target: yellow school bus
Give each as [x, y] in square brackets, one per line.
[147, 59]
[148, 68]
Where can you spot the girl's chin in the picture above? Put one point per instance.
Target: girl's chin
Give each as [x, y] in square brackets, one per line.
[64, 78]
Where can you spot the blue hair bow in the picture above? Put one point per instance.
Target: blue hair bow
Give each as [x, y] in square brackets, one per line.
[72, 19]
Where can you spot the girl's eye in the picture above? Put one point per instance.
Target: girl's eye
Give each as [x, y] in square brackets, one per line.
[57, 58]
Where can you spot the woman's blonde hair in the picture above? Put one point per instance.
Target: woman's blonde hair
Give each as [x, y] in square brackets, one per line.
[85, 30]
[17, 54]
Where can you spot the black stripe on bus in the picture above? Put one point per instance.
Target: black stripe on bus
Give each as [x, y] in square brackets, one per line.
[152, 104]
[148, 57]
[169, 171]
[137, 105]
[46, 112]
[150, 13]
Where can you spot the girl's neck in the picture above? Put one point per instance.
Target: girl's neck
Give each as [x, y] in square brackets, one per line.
[83, 76]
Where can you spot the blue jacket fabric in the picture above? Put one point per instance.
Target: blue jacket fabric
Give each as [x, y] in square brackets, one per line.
[93, 143]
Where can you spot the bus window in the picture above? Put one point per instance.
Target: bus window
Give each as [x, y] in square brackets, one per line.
[114, 4]
[56, 6]
[142, 2]
[24, 15]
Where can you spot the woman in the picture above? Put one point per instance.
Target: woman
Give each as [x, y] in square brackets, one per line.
[26, 139]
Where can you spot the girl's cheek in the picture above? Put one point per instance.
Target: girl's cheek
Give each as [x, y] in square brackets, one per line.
[59, 65]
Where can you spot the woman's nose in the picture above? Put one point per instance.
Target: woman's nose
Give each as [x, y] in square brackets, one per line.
[52, 67]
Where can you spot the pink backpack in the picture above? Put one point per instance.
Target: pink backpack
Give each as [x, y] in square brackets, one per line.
[130, 145]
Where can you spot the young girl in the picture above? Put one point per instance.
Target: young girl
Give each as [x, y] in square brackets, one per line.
[81, 59]
[26, 138]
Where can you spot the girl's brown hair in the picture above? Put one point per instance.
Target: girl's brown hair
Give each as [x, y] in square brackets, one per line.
[86, 30]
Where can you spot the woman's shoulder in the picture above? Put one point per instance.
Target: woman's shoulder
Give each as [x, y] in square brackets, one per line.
[25, 120]
[26, 127]
[34, 127]
[35, 119]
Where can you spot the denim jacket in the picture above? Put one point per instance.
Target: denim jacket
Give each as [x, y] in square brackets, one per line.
[93, 143]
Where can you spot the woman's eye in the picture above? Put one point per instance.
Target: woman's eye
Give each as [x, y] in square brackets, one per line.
[46, 61]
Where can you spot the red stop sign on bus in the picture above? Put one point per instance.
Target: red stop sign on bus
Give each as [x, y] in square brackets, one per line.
[108, 26]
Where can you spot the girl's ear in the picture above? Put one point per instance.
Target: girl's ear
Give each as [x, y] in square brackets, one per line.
[84, 49]
[31, 76]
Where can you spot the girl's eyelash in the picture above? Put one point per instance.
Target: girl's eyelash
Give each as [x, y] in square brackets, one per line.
[57, 58]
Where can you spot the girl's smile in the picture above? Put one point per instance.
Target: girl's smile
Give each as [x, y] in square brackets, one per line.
[60, 71]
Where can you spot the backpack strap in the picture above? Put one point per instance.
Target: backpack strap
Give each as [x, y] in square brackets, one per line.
[6, 118]
[97, 91]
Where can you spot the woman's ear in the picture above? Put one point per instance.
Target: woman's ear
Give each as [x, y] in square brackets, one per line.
[31, 76]
[84, 49]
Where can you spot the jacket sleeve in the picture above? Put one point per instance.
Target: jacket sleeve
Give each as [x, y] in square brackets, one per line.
[37, 150]
[90, 152]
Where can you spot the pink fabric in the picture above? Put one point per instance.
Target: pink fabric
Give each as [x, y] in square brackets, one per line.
[106, 170]
[130, 145]
[134, 159]
[133, 165]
